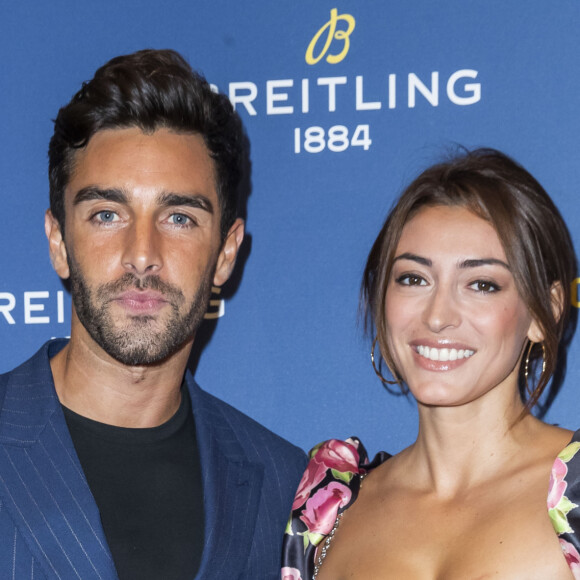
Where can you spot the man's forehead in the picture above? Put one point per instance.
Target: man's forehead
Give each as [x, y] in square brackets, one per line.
[130, 159]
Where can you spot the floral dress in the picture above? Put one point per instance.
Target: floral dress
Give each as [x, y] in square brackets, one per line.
[331, 483]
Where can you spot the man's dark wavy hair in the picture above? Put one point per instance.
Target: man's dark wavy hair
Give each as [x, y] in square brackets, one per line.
[149, 89]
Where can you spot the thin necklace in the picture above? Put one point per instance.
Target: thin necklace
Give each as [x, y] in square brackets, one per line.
[330, 536]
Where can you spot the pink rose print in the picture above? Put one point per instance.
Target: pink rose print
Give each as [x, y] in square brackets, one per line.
[290, 574]
[322, 508]
[313, 475]
[572, 557]
[339, 455]
[333, 454]
[557, 483]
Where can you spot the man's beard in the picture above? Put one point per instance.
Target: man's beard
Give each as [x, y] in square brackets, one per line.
[138, 343]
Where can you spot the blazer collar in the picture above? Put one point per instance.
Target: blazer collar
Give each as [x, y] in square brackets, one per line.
[232, 488]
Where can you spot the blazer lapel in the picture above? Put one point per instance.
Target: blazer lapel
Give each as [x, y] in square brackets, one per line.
[41, 481]
[232, 487]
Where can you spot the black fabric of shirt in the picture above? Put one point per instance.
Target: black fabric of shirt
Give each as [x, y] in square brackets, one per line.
[148, 487]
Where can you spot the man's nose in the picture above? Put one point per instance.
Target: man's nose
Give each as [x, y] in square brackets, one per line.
[142, 248]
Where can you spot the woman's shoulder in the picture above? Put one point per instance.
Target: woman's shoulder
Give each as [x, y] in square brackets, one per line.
[565, 477]
[328, 487]
[575, 437]
[566, 467]
[564, 499]
[335, 461]
[348, 455]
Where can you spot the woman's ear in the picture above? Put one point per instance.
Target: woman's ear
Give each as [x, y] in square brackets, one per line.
[557, 299]
[535, 333]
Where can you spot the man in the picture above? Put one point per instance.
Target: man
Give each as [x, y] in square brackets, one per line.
[113, 463]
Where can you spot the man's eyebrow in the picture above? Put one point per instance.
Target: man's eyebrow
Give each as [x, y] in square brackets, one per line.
[92, 192]
[476, 263]
[194, 200]
[414, 258]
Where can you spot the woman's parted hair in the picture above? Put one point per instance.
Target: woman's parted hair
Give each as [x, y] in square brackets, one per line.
[532, 232]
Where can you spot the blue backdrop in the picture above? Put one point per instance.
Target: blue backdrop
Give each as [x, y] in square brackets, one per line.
[343, 104]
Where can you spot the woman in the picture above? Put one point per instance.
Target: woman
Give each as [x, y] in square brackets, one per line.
[468, 289]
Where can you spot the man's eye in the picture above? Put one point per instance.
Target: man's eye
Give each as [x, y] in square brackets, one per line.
[179, 219]
[106, 216]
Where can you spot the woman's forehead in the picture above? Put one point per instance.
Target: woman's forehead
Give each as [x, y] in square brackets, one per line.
[450, 230]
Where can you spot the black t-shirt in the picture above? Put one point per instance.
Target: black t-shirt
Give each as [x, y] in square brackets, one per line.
[148, 487]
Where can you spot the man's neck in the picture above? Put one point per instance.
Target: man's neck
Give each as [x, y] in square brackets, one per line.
[92, 384]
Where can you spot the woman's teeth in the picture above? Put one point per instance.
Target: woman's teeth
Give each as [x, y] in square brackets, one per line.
[444, 354]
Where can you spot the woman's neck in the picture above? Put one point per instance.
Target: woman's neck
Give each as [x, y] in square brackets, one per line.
[460, 447]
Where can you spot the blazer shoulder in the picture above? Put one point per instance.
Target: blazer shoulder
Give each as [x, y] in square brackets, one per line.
[251, 434]
[28, 398]
[37, 367]
[4, 378]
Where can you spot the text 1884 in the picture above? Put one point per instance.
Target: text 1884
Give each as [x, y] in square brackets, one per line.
[336, 139]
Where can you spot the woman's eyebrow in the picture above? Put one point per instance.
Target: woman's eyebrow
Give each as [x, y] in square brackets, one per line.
[476, 263]
[414, 258]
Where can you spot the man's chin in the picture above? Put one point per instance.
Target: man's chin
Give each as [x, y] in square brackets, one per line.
[139, 343]
[138, 357]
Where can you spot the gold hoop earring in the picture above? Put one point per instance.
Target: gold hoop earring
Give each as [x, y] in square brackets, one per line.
[378, 372]
[527, 365]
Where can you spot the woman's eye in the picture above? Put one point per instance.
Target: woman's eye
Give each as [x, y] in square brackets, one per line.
[411, 280]
[484, 286]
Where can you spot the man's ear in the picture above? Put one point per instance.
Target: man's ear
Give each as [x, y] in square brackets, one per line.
[56, 245]
[535, 333]
[228, 253]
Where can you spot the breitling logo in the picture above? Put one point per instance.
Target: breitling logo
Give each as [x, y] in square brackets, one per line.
[333, 33]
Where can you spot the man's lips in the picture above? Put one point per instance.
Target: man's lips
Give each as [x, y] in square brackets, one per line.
[146, 301]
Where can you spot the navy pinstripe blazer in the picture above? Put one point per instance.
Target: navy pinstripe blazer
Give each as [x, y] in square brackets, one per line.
[49, 522]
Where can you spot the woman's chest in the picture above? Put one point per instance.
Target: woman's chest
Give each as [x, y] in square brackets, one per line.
[498, 533]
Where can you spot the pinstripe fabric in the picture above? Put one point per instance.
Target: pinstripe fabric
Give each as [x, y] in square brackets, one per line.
[50, 525]
[250, 477]
[46, 503]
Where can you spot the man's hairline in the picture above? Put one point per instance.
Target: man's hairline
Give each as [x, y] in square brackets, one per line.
[76, 150]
